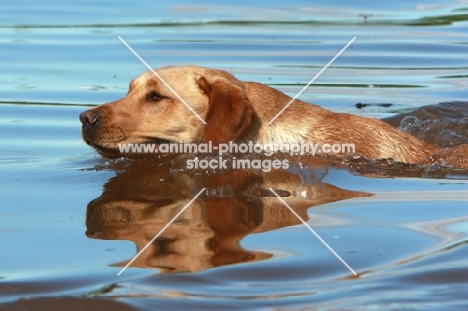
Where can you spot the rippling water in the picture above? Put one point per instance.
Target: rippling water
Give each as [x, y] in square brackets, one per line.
[71, 220]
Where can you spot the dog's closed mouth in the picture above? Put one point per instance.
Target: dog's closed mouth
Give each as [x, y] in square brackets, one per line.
[129, 148]
[105, 151]
[156, 140]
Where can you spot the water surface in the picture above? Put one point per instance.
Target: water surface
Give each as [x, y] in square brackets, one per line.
[70, 220]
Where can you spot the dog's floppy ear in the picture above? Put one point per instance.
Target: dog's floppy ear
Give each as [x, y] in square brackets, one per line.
[229, 113]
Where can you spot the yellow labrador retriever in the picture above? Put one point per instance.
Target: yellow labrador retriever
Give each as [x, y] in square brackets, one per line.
[236, 111]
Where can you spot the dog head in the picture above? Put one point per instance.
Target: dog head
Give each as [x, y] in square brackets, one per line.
[168, 105]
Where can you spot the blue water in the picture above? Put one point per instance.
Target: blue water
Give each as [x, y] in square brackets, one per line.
[407, 242]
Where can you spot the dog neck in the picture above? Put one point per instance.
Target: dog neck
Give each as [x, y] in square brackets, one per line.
[289, 126]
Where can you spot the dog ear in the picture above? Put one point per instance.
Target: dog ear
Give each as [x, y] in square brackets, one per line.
[229, 113]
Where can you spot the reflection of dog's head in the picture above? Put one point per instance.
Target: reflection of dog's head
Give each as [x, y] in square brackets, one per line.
[237, 111]
[139, 202]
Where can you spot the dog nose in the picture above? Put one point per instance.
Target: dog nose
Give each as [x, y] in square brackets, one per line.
[94, 234]
[89, 117]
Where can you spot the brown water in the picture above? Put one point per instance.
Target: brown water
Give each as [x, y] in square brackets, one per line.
[71, 220]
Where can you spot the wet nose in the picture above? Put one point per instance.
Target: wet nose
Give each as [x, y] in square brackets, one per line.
[89, 117]
[94, 234]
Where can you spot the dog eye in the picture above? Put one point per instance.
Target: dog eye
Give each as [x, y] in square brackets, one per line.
[153, 96]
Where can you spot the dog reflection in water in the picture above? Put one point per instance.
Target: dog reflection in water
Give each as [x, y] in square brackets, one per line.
[137, 203]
